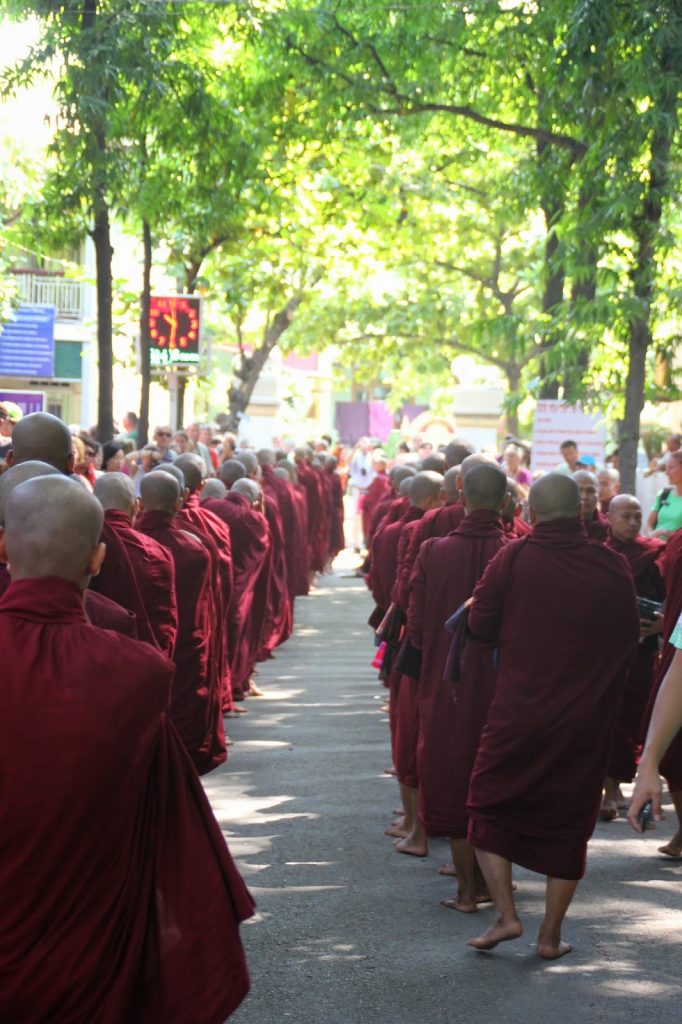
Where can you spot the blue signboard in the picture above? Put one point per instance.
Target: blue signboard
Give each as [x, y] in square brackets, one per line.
[27, 343]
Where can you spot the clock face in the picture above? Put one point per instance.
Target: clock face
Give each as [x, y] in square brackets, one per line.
[174, 323]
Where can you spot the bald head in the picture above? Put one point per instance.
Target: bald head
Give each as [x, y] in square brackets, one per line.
[266, 457]
[405, 486]
[425, 489]
[554, 496]
[160, 492]
[192, 468]
[250, 464]
[456, 452]
[230, 471]
[41, 436]
[451, 485]
[285, 471]
[625, 517]
[115, 491]
[11, 478]
[52, 528]
[589, 491]
[485, 487]
[213, 489]
[170, 469]
[399, 473]
[435, 463]
[477, 459]
[249, 488]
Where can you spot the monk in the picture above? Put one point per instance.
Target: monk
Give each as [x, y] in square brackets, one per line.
[596, 524]
[608, 480]
[251, 559]
[451, 718]
[424, 494]
[536, 783]
[279, 613]
[50, 434]
[43, 437]
[512, 512]
[377, 490]
[108, 838]
[392, 506]
[195, 698]
[336, 540]
[318, 526]
[643, 555]
[299, 575]
[131, 554]
[282, 493]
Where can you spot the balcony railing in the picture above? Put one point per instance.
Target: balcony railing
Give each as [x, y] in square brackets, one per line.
[52, 290]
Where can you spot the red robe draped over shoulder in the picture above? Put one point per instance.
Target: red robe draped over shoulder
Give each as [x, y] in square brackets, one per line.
[318, 515]
[279, 616]
[284, 495]
[379, 488]
[119, 899]
[597, 526]
[437, 522]
[562, 611]
[643, 555]
[152, 565]
[451, 716]
[195, 698]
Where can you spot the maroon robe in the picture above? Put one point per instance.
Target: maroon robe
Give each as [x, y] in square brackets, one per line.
[671, 763]
[100, 610]
[216, 537]
[155, 575]
[437, 522]
[379, 488]
[118, 581]
[334, 485]
[120, 901]
[451, 719]
[284, 495]
[302, 561]
[195, 698]
[516, 527]
[318, 521]
[643, 555]
[597, 526]
[251, 559]
[279, 616]
[562, 611]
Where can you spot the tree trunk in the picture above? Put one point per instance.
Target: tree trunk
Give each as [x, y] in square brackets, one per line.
[247, 376]
[101, 236]
[180, 399]
[647, 226]
[145, 367]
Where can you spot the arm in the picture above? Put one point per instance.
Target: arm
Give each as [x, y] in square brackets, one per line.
[666, 721]
[485, 613]
[417, 599]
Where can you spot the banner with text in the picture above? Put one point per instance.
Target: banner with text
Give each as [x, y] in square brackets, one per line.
[556, 422]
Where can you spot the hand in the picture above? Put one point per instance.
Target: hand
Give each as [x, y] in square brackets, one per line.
[647, 787]
[649, 628]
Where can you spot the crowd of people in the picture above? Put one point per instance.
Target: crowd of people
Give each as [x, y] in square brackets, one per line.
[133, 626]
[523, 630]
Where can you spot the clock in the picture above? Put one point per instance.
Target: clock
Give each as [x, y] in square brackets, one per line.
[174, 329]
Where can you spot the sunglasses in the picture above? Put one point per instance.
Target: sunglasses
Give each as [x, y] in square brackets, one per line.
[163, 433]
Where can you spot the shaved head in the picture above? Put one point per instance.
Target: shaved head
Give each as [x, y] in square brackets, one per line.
[435, 462]
[511, 500]
[249, 488]
[456, 452]
[52, 528]
[625, 517]
[451, 485]
[160, 492]
[213, 489]
[250, 463]
[477, 459]
[266, 457]
[170, 469]
[554, 496]
[41, 436]
[485, 487]
[405, 486]
[399, 473]
[115, 491]
[192, 468]
[425, 489]
[11, 478]
[284, 470]
[589, 491]
[231, 471]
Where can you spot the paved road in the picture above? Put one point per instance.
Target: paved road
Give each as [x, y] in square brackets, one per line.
[348, 931]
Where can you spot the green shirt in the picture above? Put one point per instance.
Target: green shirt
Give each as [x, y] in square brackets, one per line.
[669, 516]
[676, 636]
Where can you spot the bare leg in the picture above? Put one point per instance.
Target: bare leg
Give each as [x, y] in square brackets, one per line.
[674, 847]
[402, 829]
[464, 860]
[609, 804]
[497, 873]
[558, 896]
[415, 842]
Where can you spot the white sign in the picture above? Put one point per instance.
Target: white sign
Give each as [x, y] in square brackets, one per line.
[554, 423]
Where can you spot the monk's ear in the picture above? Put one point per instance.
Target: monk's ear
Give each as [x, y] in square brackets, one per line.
[70, 463]
[3, 546]
[96, 558]
[135, 508]
[178, 504]
[201, 486]
[532, 516]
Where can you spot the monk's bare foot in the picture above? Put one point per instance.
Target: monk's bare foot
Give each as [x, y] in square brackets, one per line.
[254, 691]
[501, 931]
[674, 847]
[608, 810]
[239, 710]
[448, 869]
[400, 832]
[484, 897]
[551, 947]
[465, 906]
[399, 821]
[409, 846]
[389, 771]
[384, 708]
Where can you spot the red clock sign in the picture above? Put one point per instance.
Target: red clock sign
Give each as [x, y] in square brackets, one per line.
[174, 330]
